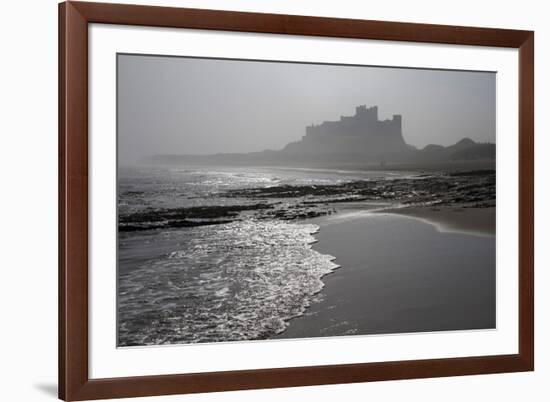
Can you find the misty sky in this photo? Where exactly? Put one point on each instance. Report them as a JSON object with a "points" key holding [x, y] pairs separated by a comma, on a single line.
{"points": [[173, 105]]}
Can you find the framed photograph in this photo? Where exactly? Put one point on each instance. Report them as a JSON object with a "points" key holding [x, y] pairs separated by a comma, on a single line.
{"points": [[260, 200]]}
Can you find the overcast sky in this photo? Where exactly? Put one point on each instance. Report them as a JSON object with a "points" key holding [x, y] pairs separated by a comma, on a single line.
{"points": [[173, 105]]}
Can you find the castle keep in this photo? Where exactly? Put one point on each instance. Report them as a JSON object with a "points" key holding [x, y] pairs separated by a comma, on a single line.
{"points": [[362, 133]]}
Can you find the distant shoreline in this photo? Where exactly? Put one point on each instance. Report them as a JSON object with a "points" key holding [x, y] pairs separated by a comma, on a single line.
{"points": [[311, 164]]}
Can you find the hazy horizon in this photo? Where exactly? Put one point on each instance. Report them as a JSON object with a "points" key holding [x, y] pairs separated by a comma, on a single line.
{"points": [[178, 105]]}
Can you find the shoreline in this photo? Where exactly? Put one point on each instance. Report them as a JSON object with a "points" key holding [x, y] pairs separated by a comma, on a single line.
{"points": [[400, 273], [462, 219]]}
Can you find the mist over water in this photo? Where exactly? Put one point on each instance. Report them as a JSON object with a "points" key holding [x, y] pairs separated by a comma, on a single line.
{"points": [[178, 105]]}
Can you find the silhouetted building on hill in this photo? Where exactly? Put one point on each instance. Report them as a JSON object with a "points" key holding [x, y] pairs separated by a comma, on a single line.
{"points": [[360, 134], [361, 139]]}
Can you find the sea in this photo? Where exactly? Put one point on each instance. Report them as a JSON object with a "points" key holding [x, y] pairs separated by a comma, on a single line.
{"points": [[242, 279]]}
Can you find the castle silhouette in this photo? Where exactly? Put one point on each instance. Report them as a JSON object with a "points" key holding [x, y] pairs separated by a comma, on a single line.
{"points": [[362, 133], [358, 139]]}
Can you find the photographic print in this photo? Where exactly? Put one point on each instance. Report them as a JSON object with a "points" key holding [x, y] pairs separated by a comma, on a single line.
{"points": [[269, 200]]}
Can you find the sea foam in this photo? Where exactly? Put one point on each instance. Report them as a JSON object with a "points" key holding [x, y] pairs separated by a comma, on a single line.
{"points": [[238, 281]]}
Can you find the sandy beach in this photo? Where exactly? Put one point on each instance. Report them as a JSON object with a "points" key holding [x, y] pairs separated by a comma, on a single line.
{"points": [[291, 253], [413, 270], [453, 218]]}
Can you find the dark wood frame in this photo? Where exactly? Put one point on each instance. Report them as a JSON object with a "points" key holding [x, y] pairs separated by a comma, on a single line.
{"points": [[74, 383]]}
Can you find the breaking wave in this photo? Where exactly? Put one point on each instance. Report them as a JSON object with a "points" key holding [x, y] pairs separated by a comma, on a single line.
{"points": [[238, 281]]}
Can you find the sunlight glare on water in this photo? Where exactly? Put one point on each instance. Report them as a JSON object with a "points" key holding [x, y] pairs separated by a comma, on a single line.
{"points": [[237, 281]]}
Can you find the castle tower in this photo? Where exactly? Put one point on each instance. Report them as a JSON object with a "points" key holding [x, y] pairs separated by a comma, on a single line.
{"points": [[373, 113], [397, 119]]}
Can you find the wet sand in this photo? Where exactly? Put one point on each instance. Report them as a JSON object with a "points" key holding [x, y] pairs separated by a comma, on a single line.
{"points": [[400, 274], [450, 218]]}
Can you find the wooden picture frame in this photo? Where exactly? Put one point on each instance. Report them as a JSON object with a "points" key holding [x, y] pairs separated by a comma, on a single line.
{"points": [[74, 381]]}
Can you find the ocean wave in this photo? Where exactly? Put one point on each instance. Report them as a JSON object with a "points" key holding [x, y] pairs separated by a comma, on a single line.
{"points": [[239, 281]]}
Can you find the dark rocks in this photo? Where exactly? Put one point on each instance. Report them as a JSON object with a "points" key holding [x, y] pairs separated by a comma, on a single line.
{"points": [[481, 172], [444, 189], [184, 217], [473, 189]]}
